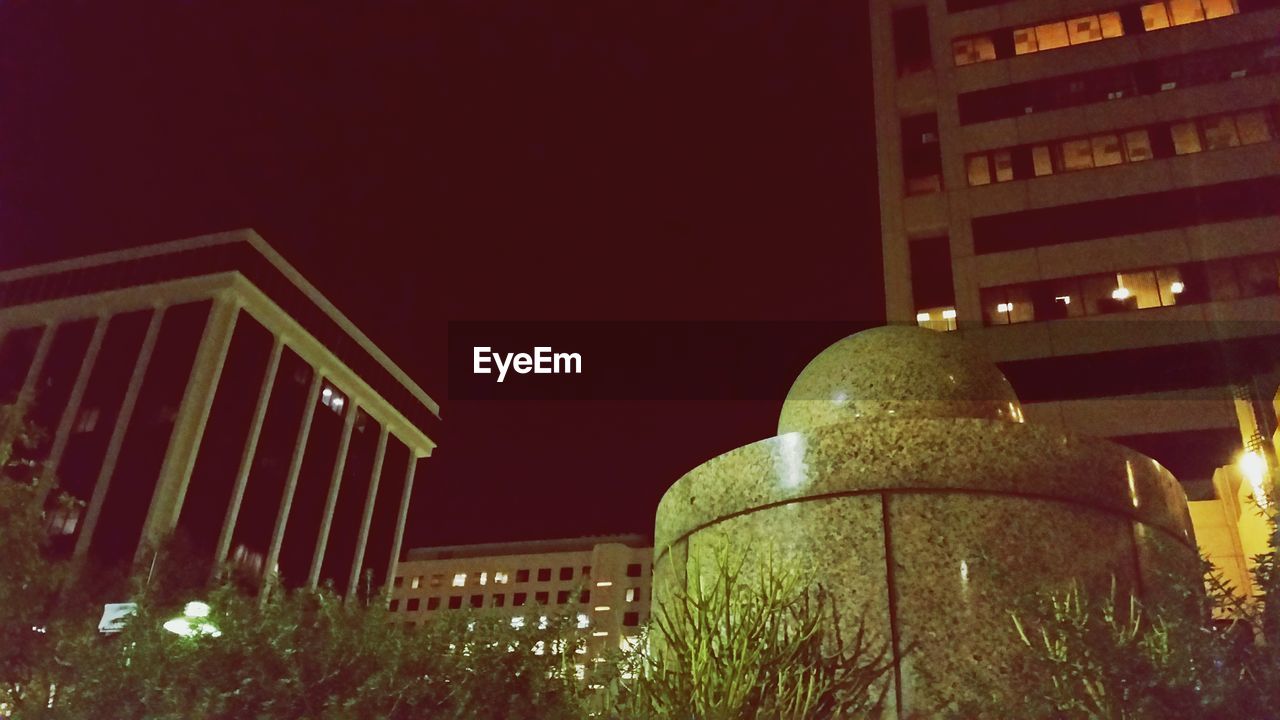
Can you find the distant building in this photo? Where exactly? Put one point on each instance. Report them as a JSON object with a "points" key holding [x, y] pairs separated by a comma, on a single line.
{"points": [[1090, 190], [202, 389], [604, 581]]}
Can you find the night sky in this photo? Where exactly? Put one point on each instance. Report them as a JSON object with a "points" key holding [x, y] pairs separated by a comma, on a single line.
{"points": [[537, 160]]}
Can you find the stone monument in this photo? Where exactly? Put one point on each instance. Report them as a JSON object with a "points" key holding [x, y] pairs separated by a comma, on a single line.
{"points": [[904, 480]]}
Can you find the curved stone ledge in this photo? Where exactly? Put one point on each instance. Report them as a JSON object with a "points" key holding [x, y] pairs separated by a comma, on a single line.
{"points": [[925, 455]]}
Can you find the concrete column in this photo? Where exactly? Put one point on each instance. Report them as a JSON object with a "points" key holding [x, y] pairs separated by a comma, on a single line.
{"points": [[72, 410], [331, 502], [188, 430], [37, 365], [357, 560], [112, 456], [290, 483], [247, 455], [402, 518]]}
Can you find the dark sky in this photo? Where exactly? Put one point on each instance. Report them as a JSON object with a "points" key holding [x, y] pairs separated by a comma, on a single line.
{"points": [[426, 162]]}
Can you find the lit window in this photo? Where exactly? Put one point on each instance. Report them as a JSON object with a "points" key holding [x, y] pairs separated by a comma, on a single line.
{"points": [[1137, 145], [417, 581], [1077, 155], [979, 170], [1003, 160], [584, 621], [500, 578], [540, 648], [1171, 285], [1183, 12], [605, 583], [1004, 307], [1042, 160], [1112, 26], [517, 622], [484, 578], [1084, 30], [1220, 132], [600, 633], [949, 314], [602, 608], [922, 317], [1154, 16], [973, 50], [580, 671], [1220, 8], [629, 643], [1052, 35], [1106, 150], [1186, 139], [1141, 286], [1254, 127], [543, 622], [633, 594], [460, 580]]}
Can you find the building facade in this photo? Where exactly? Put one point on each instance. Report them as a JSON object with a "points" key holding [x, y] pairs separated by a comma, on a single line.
{"points": [[1090, 190], [203, 392], [604, 581]]}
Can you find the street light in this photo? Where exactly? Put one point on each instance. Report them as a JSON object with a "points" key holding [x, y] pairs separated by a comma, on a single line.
{"points": [[193, 622]]}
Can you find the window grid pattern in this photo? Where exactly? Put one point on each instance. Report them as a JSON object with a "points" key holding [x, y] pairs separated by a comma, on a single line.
{"points": [[1128, 290], [1083, 29], [1213, 132]]}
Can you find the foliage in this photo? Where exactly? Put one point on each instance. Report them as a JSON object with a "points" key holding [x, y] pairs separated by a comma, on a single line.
{"points": [[1111, 658], [311, 655], [731, 647]]}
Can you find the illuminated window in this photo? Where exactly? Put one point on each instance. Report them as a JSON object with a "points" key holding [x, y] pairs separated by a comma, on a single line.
{"points": [[1220, 8], [1171, 285], [979, 170], [1111, 24], [484, 578], [1254, 127], [633, 594], [517, 622], [973, 50], [1137, 145], [1003, 161], [1084, 30], [1077, 154], [1220, 132], [1183, 12], [1186, 139], [1024, 41], [584, 621], [1042, 160], [417, 581], [1106, 150], [460, 580], [1142, 287], [500, 578], [1052, 35], [1155, 16], [940, 319]]}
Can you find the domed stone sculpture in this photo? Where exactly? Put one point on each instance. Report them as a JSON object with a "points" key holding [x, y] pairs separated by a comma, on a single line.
{"points": [[905, 482]]}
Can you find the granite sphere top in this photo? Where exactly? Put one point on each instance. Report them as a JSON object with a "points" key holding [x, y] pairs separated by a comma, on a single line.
{"points": [[898, 372]]}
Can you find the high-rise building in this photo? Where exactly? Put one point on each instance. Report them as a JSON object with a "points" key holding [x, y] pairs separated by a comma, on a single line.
{"points": [[202, 392], [1090, 190], [604, 581]]}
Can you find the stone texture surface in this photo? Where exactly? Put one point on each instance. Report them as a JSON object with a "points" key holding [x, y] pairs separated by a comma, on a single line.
{"points": [[930, 455], [897, 371], [910, 433], [960, 565]]}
